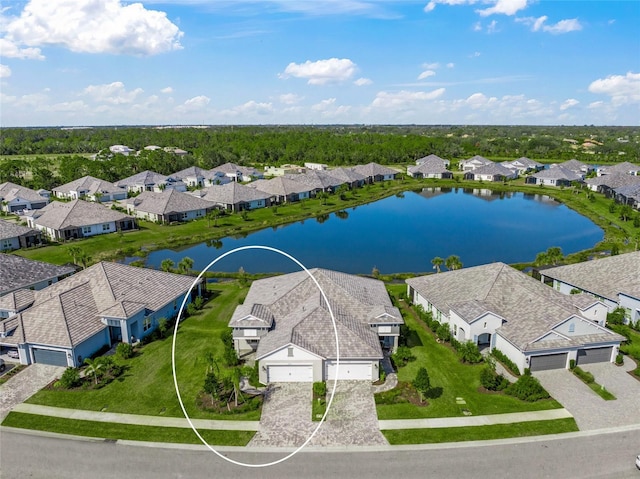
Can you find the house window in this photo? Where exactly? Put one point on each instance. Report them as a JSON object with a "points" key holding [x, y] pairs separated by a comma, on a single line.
{"points": [[485, 325], [184, 216], [199, 213], [86, 229], [106, 227], [146, 323], [572, 328], [290, 352]]}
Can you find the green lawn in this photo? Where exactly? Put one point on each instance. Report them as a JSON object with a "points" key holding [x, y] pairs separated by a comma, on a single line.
{"points": [[126, 431], [450, 379], [480, 433], [147, 385]]}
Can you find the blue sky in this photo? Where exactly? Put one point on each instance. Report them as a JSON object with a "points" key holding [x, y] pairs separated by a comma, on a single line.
{"points": [[107, 62]]}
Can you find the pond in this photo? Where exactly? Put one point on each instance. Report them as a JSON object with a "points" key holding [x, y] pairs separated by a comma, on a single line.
{"points": [[403, 233]]}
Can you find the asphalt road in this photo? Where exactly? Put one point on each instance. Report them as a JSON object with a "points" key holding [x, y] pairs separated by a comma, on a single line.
{"points": [[608, 455]]}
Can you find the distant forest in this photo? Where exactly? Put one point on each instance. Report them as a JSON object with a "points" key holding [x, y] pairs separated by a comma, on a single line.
{"points": [[276, 145]]}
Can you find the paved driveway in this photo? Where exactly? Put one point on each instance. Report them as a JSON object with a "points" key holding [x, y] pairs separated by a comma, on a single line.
{"points": [[286, 417], [25, 384], [590, 410]]}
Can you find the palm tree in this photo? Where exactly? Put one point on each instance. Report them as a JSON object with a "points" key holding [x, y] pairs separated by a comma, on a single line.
{"points": [[437, 263], [185, 265], [167, 265], [213, 215], [75, 252], [93, 366], [453, 262]]}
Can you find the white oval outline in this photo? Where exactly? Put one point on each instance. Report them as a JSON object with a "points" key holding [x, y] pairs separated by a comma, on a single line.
{"points": [[173, 355]]}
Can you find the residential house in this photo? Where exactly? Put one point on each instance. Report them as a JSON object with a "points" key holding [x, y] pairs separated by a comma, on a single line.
{"points": [[15, 198], [287, 321], [625, 168], [121, 150], [316, 166], [78, 219], [474, 163], [555, 175], [628, 195], [536, 327], [283, 190], [317, 181], [523, 165], [577, 167], [283, 170], [17, 273], [196, 177], [491, 172], [614, 280], [151, 181], [91, 188], [95, 308], [14, 236], [167, 206], [434, 160], [348, 177], [238, 173], [607, 183], [234, 197], [373, 172]]}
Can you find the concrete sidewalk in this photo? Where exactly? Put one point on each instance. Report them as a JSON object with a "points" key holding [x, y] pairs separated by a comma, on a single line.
{"points": [[508, 418], [135, 419], [231, 425]]}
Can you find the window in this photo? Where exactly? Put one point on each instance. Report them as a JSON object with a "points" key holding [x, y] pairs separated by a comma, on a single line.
{"points": [[146, 323], [106, 227], [290, 352], [184, 216], [485, 325], [86, 229], [572, 328]]}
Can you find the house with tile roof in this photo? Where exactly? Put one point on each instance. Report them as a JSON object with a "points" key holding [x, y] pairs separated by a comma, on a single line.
{"points": [[78, 219], [167, 206], [286, 320], [497, 306], [614, 280], [283, 190], [234, 197], [347, 176], [373, 172], [607, 183], [523, 165], [196, 177], [625, 168], [14, 236], [15, 198], [18, 273], [555, 175], [577, 167], [491, 172], [151, 181], [628, 195], [474, 163], [238, 173], [318, 181], [91, 188], [431, 166], [433, 159], [100, 306]]}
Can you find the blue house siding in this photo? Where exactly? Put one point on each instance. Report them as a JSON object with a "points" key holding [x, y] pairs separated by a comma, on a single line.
{"points": [[91, 346]]}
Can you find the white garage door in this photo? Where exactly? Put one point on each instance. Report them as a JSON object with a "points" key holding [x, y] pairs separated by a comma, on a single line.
{"points": [[289, 374], [349, 370]]}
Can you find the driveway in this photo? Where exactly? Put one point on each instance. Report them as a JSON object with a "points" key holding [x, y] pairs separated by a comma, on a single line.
{"points": [[590, 410], [351, 421], [25, 384]]}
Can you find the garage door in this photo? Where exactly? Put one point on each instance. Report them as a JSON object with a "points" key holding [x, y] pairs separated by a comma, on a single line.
{"points": [[350, 370], [594, 355], [548, 361], [49, 356], [288, 374]]}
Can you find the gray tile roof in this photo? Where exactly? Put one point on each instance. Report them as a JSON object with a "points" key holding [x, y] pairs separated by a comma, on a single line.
{"points": [[526, 162], [558, 173], [629, 191], [614, 179], [625, 167], [232, 168], [167, 201], [477, 159], [194, 172], [91, 184], [143, 178], [231, 194], [280, 186], [9, 229], [431, 166], [68, 312], [604, 277], [346, 175], [17, 300], [530, 308], [301, 316], [575, 166], [75, 214], [493, 169], [17, 272], [10, 191], [433, 159], [318, 180], [374, 169]]}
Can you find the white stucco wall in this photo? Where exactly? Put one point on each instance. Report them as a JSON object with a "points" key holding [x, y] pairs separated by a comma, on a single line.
{"points": [[511, 352], [632, 305]]}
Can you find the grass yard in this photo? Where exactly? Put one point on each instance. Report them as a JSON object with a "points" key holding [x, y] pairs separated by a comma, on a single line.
{"points": [[450, 380], [126, 431], [147, 385], [480, 433]]}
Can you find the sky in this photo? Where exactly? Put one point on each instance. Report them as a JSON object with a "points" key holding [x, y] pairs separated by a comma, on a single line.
{"points": [[266, 62]]}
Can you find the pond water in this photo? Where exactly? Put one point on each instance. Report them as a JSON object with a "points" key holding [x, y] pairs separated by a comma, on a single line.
{"points": [[403, 233]]}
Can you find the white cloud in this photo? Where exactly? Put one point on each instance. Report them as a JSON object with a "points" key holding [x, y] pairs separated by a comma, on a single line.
{"points": [[431, 66], [451, 65], [504, 7], [426, 74], [328, 108], [167, 90], [568, 103], [195, 103], [10, 49], [477, 27], [324, 104], [563, 26], [623, 89], [113, 93], [322, 71], [290, 98], [68, 107], [403, 98], [492, 27], [363, 82], [5, 71], [252, 106], [94, 26], [432, 3]]}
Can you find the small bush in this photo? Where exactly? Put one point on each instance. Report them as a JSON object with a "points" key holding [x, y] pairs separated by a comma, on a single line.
{"points": [[572, 364], [506, 362], [527, 388], [124, 350], [469, 352], [586, 376], [443, 333], [70, 379], [619, 359], [402, 356], [320, 389]]}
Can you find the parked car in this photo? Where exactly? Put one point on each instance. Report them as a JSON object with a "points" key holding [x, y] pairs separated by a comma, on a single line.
{"points": [[13, 353]]}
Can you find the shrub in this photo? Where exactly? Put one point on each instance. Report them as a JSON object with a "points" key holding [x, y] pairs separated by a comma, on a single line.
{"points": [[619, 359], [70, 379], [443, 333], [422, 383], [320, 389], [586, 376], [402, 356], [506, 362], [527, 388], [572, 364], [231, 357], [616, 316], [469, 352], [124, 350]]}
